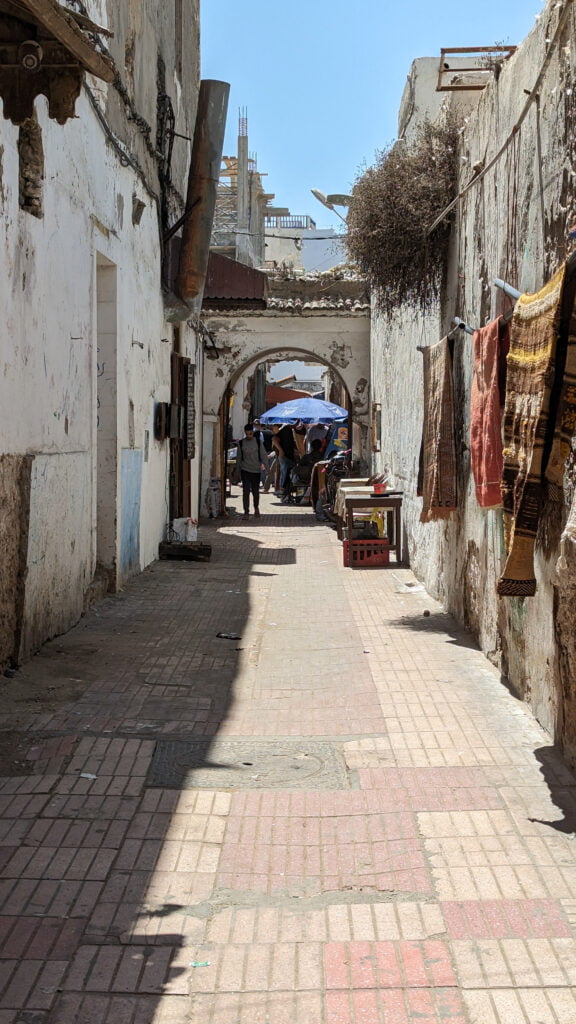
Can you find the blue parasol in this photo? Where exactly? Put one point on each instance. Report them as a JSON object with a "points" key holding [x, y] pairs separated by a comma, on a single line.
{"points": [[305, 410]]}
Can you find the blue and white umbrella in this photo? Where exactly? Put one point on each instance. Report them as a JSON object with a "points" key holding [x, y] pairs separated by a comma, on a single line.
{"points": [[305, 410]]}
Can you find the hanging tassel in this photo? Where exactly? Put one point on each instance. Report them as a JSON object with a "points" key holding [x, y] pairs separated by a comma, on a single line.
{"points": [[562, 564]]}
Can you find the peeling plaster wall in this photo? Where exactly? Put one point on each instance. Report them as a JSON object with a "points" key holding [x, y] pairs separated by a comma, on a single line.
{"points": [[514, 225], [49, 358], [144, 48]]}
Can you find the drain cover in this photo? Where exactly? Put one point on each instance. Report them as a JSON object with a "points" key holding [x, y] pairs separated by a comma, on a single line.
{"points": [[246, 764]]}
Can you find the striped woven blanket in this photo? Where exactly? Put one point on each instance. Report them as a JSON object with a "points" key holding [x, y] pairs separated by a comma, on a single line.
{"points": [[438, 451]]}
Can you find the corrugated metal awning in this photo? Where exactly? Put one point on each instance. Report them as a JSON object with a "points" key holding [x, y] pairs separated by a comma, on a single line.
{"points": [[231, 285]]}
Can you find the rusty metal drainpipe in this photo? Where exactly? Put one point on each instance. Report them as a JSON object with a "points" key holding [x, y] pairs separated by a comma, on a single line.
{"points": [[203, 179]]}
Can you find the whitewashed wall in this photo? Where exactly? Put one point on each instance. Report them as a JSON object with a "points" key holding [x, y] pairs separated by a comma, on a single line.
{"points": [[49, 348], [512, 225]]}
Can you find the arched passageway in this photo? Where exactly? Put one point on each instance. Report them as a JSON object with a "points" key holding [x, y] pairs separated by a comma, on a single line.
{"points": [[341, 341]]}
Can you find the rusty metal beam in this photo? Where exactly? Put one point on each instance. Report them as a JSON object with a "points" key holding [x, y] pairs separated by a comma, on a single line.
{"points": [[483, 52], [56, 20], [203, 179]]}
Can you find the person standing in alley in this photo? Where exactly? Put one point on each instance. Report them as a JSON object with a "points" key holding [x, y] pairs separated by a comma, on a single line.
{"points": [[252, 460], [266, 438], [284, 444]]}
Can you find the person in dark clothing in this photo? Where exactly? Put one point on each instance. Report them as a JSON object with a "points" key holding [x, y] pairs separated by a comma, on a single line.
{"points": [[302, 472], [266, 438], [265, 435], [284, 442], [251, 461]]}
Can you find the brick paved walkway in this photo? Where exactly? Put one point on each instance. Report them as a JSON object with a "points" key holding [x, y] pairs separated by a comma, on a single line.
{"points": [[368, 829]]}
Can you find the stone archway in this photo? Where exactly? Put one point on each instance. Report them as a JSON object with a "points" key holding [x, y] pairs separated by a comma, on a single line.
{"points": [[340, 340]]}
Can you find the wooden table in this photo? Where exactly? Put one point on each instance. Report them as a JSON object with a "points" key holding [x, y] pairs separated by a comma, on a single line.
{"points": [[352, 481], [345, 492], [390, 502], [339, 504]]}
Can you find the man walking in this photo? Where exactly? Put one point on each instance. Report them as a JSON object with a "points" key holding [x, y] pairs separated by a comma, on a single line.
{"points": [[251, 461], [266, 438]]}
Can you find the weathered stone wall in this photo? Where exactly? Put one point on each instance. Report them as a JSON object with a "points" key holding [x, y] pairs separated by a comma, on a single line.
{"points": [[513, 224]]}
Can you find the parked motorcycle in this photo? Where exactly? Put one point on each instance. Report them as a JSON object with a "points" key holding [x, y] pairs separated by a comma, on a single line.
{"points": [[330, 473]]}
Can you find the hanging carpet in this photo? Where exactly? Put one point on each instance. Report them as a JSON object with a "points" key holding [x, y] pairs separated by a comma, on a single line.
{"points": [[438, 482], [491, 345], [539, 418]]}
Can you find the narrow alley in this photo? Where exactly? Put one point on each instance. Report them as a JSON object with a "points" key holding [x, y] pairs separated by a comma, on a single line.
{"points": [[336, 815]]}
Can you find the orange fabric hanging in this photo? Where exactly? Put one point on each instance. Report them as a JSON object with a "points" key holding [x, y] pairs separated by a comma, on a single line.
{"points": [[491, 344]]}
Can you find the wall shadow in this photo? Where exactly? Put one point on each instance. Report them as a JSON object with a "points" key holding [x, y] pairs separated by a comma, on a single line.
{"points": [[436, 622], [561, 784], [144, 669]]}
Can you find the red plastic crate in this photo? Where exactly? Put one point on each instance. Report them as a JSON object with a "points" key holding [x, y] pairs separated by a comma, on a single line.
{"points": [[366, 554]]}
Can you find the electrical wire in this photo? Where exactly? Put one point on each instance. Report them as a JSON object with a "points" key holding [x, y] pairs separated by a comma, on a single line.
{"points": [[304, 238], [126, 158], [531, 98]]}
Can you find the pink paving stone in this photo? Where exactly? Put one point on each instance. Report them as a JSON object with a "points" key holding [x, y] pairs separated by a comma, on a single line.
{"points": [[442, 1006], [389, 974], [412, 960], [438, 965], [497, 918], [48, 985], [382, 965], [7, 969], [21, 984], [337, 965], [473, 919], [501, 919], [361, 959], [16, 935], [365, 1007], [338, 1008], [393, 1007]]}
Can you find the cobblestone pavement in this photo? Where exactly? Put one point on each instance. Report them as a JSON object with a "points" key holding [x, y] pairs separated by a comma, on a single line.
{"points": [[340, 817]]}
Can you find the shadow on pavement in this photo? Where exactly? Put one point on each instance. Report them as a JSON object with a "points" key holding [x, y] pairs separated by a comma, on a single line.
{"points": [[436, 622], [562, 786], [94, 865]]}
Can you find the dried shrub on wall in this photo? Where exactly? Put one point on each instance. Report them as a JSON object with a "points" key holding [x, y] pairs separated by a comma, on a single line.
{"points": [[393, 204]]}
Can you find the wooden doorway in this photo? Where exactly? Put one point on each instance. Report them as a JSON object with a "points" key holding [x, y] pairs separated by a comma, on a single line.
{"points": [[181, 427]]}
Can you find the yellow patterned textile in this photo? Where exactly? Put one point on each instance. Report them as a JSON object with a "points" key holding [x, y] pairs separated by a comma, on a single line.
{"points": [[539, 417]]}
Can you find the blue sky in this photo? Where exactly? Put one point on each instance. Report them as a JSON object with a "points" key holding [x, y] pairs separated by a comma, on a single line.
{"points": [[322, 79]]}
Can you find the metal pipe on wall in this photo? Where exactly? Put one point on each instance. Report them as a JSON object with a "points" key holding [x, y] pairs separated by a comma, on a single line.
{"points": [[203, 179]]}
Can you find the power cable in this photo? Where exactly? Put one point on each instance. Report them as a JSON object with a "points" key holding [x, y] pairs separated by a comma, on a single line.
{"points": [[531, 98]]}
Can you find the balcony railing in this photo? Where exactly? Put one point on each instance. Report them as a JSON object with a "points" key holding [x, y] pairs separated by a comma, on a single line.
{"points": [[290, 222]]}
